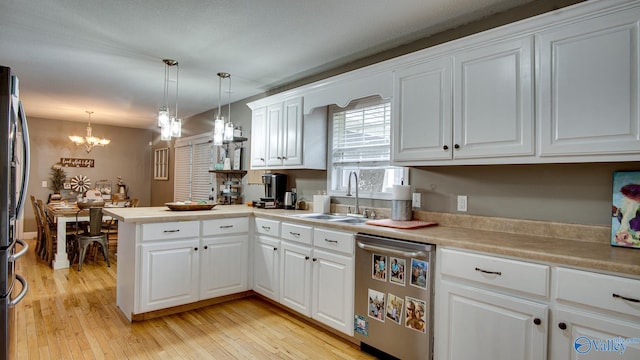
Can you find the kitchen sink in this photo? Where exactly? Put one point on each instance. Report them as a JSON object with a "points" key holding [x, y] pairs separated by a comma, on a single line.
{"points": [[342, 218]]}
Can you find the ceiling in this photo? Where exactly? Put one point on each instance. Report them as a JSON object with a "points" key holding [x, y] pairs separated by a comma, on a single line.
{"points": [[106, 56]]}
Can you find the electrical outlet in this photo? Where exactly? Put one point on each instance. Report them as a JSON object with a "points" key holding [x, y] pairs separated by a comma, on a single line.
{"points": [[44, 184], [416, 201], [462, 203]]}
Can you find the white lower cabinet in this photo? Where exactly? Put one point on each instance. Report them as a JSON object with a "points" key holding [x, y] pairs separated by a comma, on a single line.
{"points": [[169, 274], [317, 274], [481, 315], [224, 265], [266, 267], [595, 316], [481, 324]]}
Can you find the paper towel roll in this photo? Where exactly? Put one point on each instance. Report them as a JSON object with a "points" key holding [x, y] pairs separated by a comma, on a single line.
{"points": [[322, 204], [401, 192]]}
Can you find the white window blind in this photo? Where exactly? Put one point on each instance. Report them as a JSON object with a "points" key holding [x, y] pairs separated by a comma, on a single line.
{"points": [[361, 142], [193, 159], [362, 135]]}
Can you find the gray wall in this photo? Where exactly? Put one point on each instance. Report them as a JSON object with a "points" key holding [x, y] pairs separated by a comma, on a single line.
{"points": [[128, 155]]}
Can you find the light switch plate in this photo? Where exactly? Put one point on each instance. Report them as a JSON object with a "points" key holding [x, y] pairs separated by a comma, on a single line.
{"points": [[44, 184]]}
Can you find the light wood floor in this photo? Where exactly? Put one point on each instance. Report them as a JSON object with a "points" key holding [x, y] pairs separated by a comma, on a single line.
{"points": [[73, 315]]}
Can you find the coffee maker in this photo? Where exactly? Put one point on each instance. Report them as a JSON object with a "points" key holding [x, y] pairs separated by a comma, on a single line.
{"points": [[275, 186]]}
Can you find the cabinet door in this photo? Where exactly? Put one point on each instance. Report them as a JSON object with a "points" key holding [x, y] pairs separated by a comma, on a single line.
{"points": [[223, 265], [588, 86], [259, 138], [266, 277], [483, 325], [422, 112], [493, 100], [333, 286], [274, 134], [169, 275], [577, 334], [292, 133], [295, 284]]}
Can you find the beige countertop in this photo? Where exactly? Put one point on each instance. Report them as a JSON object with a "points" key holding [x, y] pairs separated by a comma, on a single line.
{"points": [[580, 246]]}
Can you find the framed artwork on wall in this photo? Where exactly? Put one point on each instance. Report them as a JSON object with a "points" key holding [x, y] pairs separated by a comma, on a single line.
{"points": [[237, 158], [625, 219]]}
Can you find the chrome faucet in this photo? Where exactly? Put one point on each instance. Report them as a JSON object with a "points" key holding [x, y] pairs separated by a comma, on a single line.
{"points": [[349, 190]]}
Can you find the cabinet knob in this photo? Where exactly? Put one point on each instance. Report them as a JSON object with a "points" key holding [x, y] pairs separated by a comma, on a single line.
{"points": [[306, 258], [195, 248], [445, 147], [537, 321], [562, 326], [275, 249], [206, 247], [315, 259], [456, 146]]}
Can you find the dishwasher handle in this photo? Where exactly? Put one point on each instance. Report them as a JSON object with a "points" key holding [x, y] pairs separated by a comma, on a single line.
{"points": [[392, 251]]}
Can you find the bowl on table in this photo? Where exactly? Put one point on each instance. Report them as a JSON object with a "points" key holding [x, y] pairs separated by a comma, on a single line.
{"points": [[86, 204]]}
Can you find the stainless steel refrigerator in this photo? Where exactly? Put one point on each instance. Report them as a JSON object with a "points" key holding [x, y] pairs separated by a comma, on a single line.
{"points": [[14, 156]]}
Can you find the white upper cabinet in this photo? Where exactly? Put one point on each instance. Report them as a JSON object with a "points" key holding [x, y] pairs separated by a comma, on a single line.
{"points": [[282, 137], [422, 123], [465, 105], [493, 100], [588, 86], [259, 138]]}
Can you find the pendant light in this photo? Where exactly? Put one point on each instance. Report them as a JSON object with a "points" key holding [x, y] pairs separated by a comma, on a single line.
{"points": [[89, 141], [222, 131], [170, 125]]}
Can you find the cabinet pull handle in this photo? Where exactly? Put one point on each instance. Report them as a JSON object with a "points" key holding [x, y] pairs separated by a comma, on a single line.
{"points": [[225, 226], [489, 272], [294, 233], [456, 146], [266, 227], [171, 231], [537, 321], [331, 241], [562, 326], [445, 147], [626, 298]]}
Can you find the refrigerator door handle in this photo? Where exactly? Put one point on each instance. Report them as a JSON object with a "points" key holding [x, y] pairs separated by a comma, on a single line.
{"points": [[25, 247], [27, 153], [392, 251], [25, 288]]}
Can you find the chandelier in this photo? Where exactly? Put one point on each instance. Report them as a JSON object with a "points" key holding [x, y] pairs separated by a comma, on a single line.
{"points": [[222, 131], [89, 141], [170, 125]]}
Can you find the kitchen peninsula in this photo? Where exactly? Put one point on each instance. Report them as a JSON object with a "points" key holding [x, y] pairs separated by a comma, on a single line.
{"points": [[531, 240]]}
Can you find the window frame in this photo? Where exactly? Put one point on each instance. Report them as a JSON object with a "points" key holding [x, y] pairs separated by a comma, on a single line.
{"points": [[337, 181]]}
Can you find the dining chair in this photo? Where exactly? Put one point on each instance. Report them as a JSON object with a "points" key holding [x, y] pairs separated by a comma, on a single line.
{"points": [[40, 239], [49, 231], [93, 233]]}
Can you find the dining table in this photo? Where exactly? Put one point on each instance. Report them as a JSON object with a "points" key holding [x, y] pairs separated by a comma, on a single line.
{"points": [[62, 214]]}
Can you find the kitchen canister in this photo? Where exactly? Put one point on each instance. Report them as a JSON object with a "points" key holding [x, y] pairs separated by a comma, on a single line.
{"points": [[321, 204], [401, 203]]}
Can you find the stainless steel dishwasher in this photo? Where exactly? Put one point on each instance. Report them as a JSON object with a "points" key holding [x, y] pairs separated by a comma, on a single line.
{"points": [[393, 297]]}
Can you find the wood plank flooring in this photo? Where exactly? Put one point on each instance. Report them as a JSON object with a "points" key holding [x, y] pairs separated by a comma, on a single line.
{"points": [[73, 315]]}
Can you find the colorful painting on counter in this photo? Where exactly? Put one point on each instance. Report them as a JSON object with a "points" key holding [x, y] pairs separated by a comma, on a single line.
{"points": [[625, 219]]}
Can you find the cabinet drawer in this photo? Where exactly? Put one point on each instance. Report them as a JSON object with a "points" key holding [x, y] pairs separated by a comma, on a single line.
{"points": [[297, 232], [268, 227], [602, 291], [505, 273], [170, 230], [334, 240], [225, 226]]}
